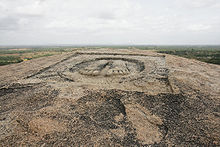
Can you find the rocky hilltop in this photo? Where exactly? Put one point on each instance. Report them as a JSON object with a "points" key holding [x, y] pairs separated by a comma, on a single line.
{"points": [[110, 97]]}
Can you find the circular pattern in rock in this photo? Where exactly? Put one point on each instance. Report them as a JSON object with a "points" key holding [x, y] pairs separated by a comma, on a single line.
{"points": [[109, 67]]}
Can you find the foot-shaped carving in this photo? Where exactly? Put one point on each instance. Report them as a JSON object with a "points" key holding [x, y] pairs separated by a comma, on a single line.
{"points": [[117, 67], [94, 68], [106, 68]]}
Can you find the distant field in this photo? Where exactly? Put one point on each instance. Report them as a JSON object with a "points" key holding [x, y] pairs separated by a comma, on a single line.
{"points": [[4, 60], [209, 54], [201, 55], [17, 55]]}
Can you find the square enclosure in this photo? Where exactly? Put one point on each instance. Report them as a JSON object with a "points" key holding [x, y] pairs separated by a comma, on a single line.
{"points": [[110, 70]]}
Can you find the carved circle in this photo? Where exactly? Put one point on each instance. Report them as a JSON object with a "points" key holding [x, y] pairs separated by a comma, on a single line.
{"points": [[108, 67]]}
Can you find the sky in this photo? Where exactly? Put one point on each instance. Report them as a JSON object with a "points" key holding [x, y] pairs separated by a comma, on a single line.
{"points": [[109, 22]]}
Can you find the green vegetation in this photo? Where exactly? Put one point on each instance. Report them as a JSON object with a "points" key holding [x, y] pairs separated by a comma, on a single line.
{"points": [[18, 54], [43, 55], [209, 56], [205, 53], [8, 51], [4, 60]]}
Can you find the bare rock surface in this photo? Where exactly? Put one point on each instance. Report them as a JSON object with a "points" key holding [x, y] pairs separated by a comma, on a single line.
{"points": [[110, 97]]}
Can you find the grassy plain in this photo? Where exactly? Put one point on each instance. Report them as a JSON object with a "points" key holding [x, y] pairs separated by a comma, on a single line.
{"points": [[209, 56], [205, 53], [17, 55]]}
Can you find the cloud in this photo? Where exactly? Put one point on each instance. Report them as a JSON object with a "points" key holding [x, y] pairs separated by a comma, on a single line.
{"points": [[8, 23], [107, 16], [198, 3], [18, 15], [110, 21], [199, 27]]}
